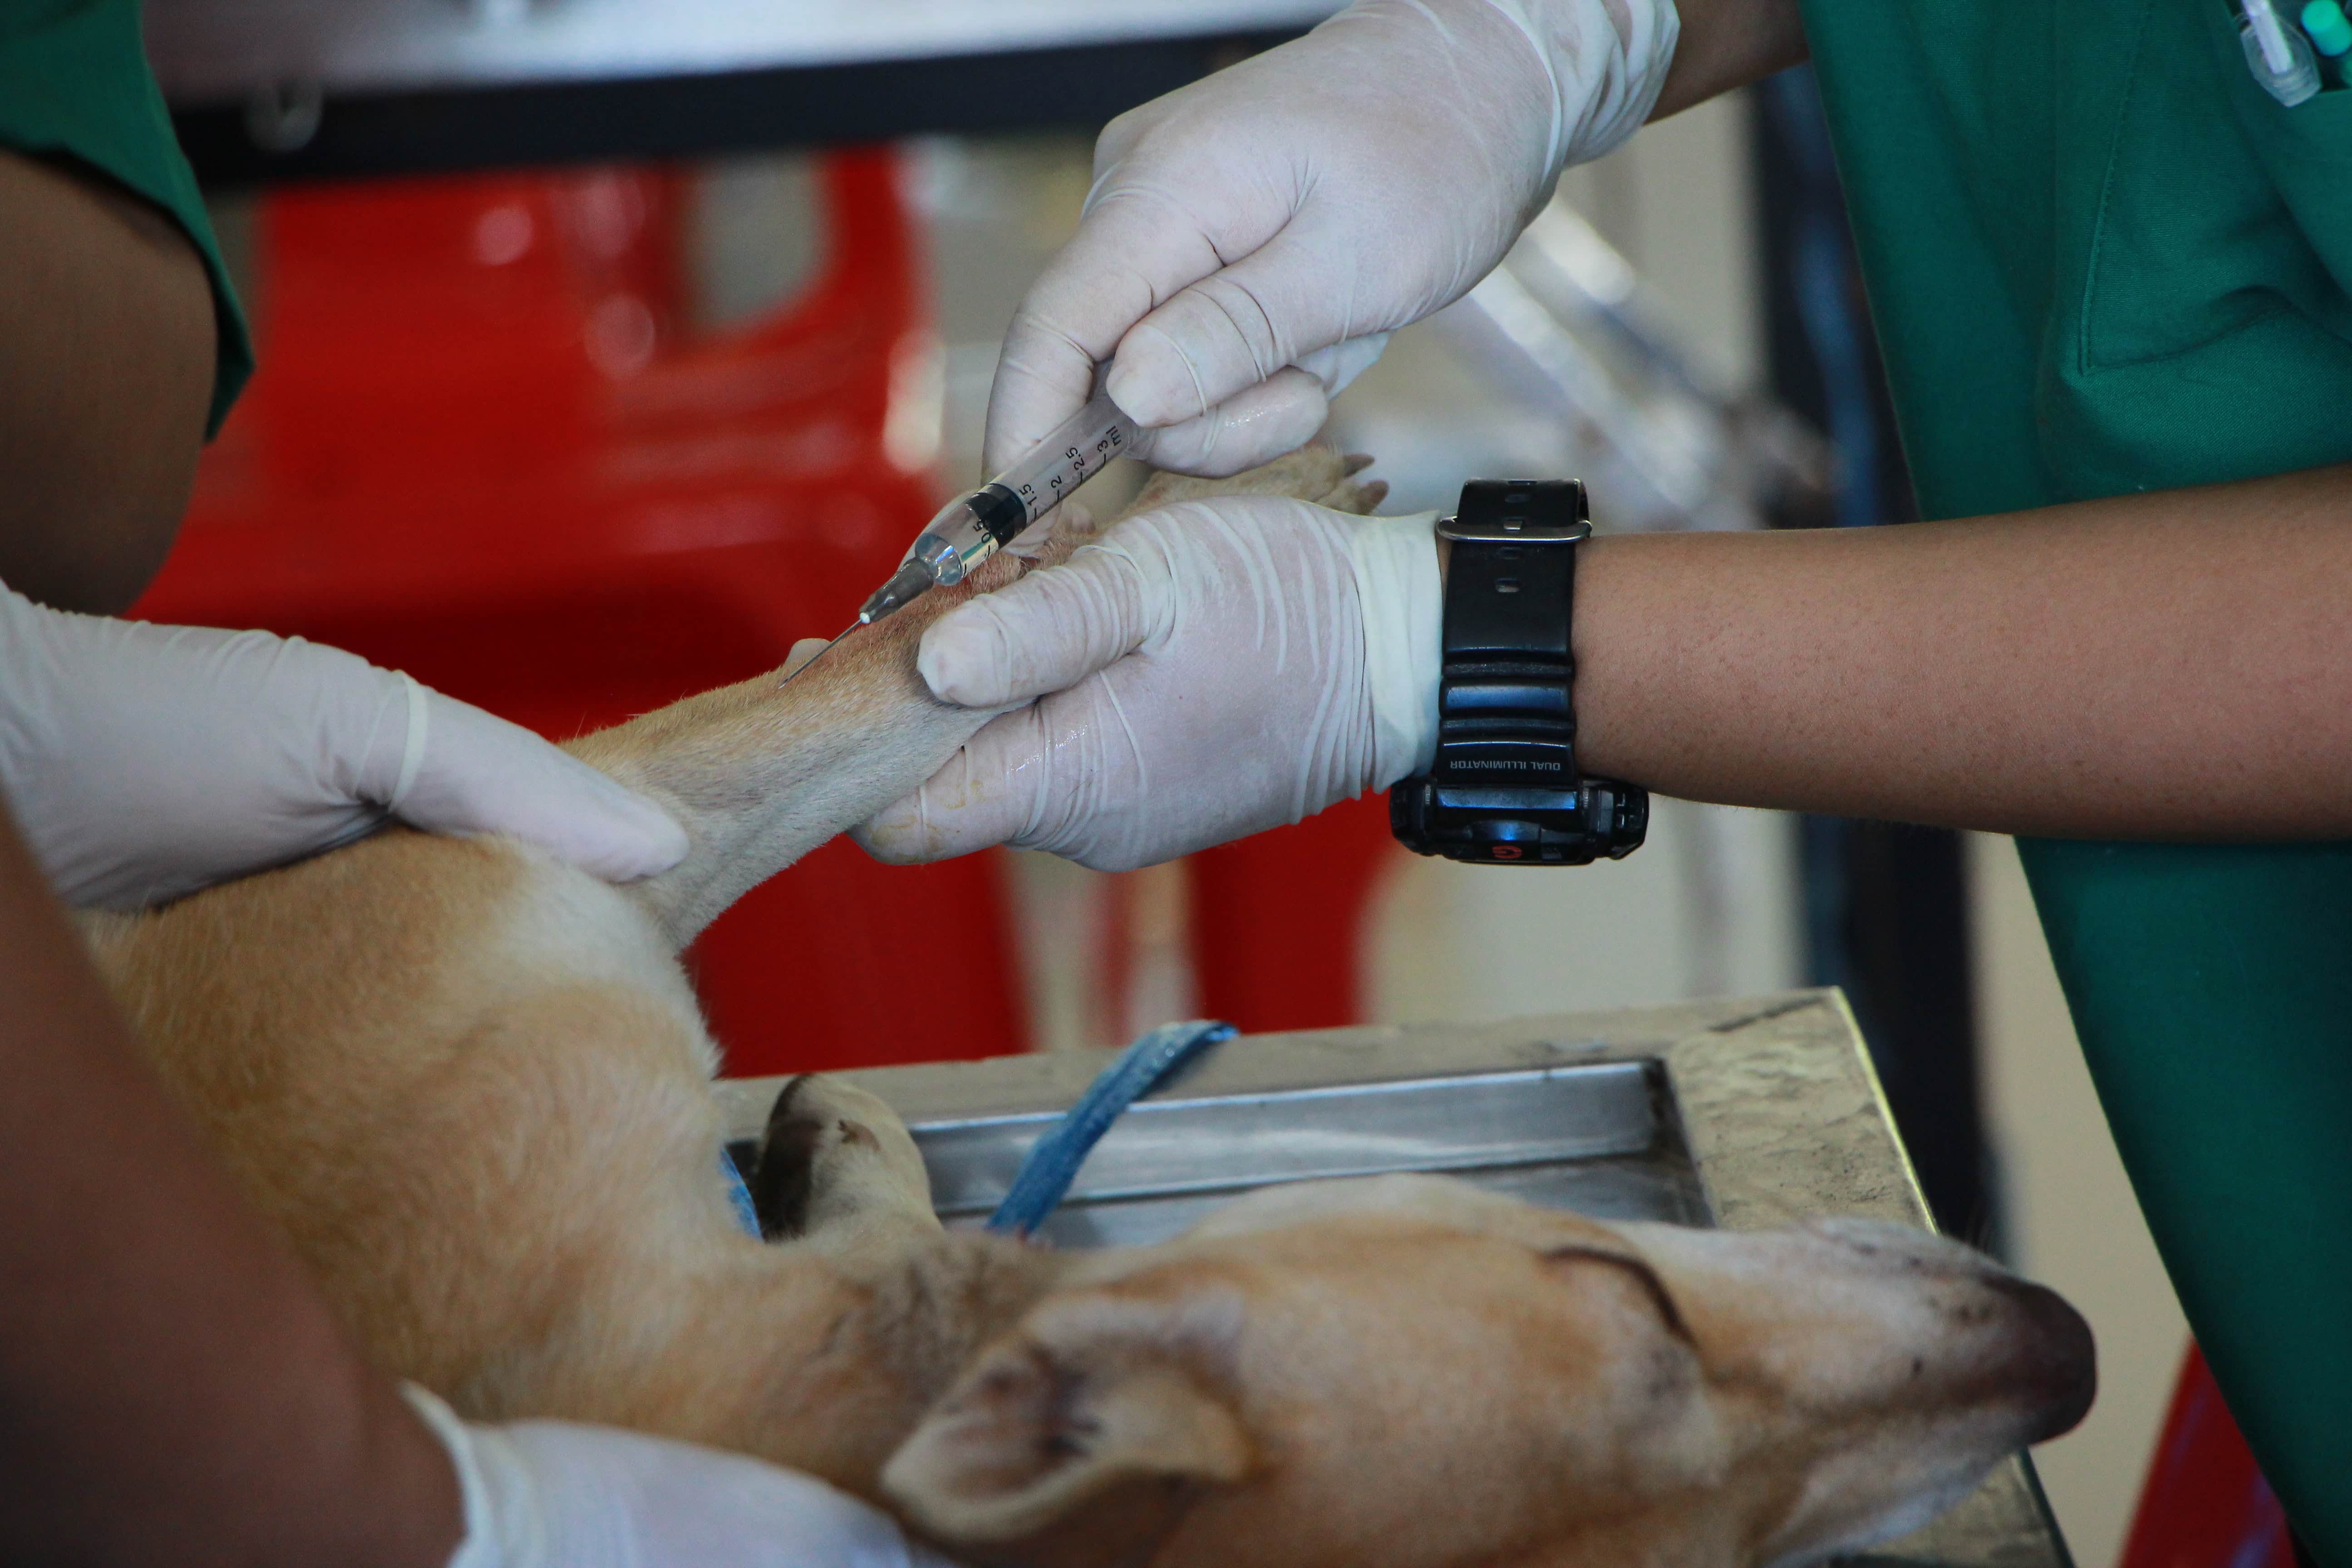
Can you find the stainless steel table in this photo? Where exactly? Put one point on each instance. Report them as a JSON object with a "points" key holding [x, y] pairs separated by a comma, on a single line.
{"points": [[1744, 1114]]}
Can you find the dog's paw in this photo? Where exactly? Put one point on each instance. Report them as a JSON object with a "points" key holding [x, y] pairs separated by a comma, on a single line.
{"points": [[1312, 473], [834, 1153], [1348, 493]]}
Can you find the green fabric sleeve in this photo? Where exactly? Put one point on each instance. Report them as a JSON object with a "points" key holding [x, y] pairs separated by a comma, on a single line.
{"points": [[74, 84]]}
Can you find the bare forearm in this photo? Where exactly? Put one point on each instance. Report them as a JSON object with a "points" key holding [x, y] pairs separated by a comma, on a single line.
{"points": [[2171, 665], [1727, 44], [172, 1387], [108, 320]]}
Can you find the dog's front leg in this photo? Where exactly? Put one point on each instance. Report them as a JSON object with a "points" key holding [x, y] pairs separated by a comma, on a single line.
{"points": [[761, 772]]}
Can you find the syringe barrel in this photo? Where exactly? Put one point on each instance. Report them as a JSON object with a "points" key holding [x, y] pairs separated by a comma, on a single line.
{"points": [[971, 528], [967, 530], [1079, 449]]}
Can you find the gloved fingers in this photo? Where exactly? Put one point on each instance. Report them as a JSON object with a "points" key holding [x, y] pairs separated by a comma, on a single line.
{"points": [[804, 650], [1207, 671], [315, 745], [560, 1494], [1052, 628], [1299, 293], [1254, 425], [479, 773], [1042, 379], [989, 792], [148, 760], [1119, 137], [629, 1501], [1132, 251]]}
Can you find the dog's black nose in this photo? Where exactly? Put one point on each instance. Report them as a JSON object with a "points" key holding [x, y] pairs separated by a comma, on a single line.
{"points": [[2056, 1355]]}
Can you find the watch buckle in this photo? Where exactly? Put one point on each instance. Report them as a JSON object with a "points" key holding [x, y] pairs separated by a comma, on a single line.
{"points": [[1514, 531]]}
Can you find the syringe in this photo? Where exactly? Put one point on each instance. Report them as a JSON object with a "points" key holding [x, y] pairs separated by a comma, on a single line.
{"points": [[971, 528]]}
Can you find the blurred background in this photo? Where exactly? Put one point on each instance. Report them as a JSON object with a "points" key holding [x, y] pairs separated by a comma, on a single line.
{"points": [[609, 348]]}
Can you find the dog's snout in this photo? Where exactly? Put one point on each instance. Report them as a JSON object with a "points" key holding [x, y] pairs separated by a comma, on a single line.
{"points": [[2041, 1355], [2056, 1358], [1885, 1246]]}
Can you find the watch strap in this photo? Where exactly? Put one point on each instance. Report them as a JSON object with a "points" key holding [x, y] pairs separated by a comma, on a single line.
{"points": [[1505, 719], [1504, 787]]}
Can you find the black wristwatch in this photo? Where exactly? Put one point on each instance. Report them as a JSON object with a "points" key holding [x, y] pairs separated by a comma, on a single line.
{"points": [[1503, 789]]}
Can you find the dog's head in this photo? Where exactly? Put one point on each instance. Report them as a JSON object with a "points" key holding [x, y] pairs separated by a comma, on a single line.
{"points": [[1407, 1372]]}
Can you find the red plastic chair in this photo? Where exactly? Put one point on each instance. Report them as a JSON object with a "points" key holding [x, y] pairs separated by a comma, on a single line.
{"points": [[1281, 922], [481, 449], [2206, 1504]]}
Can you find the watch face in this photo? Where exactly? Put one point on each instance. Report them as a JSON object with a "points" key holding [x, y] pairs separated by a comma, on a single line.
{"points": [[1597, 818]]}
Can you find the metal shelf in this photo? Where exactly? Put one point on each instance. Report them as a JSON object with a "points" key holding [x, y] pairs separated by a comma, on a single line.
{"points": [[216, 51], [270, 90]]}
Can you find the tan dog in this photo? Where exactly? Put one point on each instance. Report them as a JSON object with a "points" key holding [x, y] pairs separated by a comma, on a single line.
{"points": [[470, 1085]]}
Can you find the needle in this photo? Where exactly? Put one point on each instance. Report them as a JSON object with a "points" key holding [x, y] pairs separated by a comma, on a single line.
{"points": [[820, 653]]}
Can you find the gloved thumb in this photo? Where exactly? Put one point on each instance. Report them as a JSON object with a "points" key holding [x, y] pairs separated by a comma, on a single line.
{"points": [[473, 771], [1050, 630]]}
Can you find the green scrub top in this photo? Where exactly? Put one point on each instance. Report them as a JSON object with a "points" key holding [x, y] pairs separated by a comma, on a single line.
{"points": [[2102, 259], [74, 85]]}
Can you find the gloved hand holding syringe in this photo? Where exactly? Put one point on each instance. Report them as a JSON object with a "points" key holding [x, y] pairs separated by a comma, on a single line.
{"points": [[975, 526], [971, 528]]}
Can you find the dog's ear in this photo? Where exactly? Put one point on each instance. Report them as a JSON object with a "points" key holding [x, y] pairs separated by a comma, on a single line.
{"points": [[1094, 1392]]}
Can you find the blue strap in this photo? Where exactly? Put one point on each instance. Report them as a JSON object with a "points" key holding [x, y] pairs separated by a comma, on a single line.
{"points": [[747, 1213], [1053, 1161]]}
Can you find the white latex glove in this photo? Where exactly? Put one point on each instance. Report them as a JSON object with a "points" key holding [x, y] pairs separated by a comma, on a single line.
{"points": [[1252, 238], [1206, 671], [145, 762], [556, 1494]]}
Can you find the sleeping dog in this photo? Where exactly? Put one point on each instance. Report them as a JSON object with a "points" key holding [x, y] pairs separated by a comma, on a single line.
{"points": [[471, 1087]]}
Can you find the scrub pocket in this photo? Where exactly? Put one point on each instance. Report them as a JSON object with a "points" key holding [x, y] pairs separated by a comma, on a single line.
{"points": [[2213, 337], [2305, 155], [2197, 235]]}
